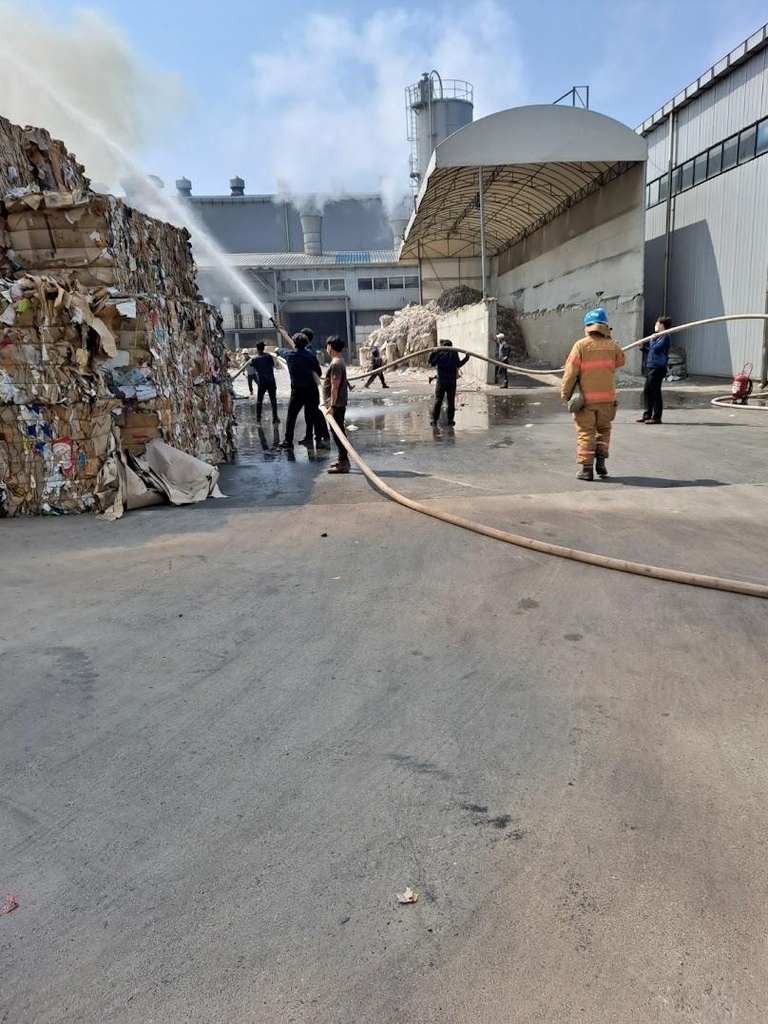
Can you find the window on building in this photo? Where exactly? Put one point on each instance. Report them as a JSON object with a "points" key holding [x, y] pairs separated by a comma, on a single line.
{"points": [[664, 188], [305, 286], [700, 169], [715, 162], [676, 180], [337, 284], [395, 282], [365, 284], [653, 193], [730, 152], [411, 282], [747, 144], [379, 284], [322, 285], [686, 179], [762, 137], [289, 286]]}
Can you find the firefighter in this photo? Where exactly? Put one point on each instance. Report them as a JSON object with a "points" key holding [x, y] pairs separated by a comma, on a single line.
{"points": [[592, 366]]}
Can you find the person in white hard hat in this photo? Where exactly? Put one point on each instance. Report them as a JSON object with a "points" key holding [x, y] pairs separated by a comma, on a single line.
{"points": [[502, 354]]}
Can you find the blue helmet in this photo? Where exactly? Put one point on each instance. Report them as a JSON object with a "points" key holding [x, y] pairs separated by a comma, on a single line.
{"points": [[596, 316]]}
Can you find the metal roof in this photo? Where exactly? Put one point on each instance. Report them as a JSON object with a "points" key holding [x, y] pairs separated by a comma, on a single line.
{"points": [[536, 162], [306, 261], [756, 42]]}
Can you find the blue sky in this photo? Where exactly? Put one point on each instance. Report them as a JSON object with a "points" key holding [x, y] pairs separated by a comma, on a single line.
{"points": [[300, 96]]}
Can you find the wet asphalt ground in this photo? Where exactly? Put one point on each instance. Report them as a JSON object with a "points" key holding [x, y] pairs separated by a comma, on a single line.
{"points": [[230, 734]]}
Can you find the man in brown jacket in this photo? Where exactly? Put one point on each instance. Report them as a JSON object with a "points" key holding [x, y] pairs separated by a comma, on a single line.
{"points": [[592, 366]]}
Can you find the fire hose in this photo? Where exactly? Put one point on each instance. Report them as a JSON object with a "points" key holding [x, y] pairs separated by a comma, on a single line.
{"points": [[574, 554], [531, 372]]}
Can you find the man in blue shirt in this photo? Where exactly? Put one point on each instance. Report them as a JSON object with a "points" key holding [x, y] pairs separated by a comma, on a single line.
{"points": [[447, 363], [656, 354], [304, 371]]}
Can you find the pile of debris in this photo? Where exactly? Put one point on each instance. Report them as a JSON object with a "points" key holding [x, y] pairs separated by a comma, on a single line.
{"points": [[414, 327], [507, 322], [411, 328], [677, 368], [31, 160], [105, 344]]}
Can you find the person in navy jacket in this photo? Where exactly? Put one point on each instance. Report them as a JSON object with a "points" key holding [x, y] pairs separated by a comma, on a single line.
{"points": [[656, 359]]}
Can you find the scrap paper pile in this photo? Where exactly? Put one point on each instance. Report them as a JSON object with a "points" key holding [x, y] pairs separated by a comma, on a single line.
{"points": [[105, 344], [31, 160]]}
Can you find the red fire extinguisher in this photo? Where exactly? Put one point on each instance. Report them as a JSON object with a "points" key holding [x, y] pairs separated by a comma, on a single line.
{"points": [[741, 388]]}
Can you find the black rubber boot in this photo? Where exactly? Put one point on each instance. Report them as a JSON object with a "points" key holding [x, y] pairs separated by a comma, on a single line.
{"points": [[585, 473], [600, 467]]}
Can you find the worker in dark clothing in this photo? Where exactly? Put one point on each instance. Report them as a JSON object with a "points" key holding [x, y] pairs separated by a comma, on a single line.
{"points": [[318, 424], [655, 362], [447, 363], [262, 366], [304, 371], [375, 363], [251, 375], [503, 352]]}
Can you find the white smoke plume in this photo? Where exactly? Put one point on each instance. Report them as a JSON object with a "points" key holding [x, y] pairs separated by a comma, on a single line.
{"points": [[327, 108], [93, 68]]}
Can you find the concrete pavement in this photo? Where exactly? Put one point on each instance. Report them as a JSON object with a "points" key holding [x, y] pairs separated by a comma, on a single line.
{"points": [[227, 740]]}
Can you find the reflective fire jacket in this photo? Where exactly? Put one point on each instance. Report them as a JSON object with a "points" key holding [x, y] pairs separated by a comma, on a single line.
{"points": [[593, 363]]}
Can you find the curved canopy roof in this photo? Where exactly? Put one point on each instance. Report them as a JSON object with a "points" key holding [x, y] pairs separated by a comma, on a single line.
{"points": [[536, 162]]}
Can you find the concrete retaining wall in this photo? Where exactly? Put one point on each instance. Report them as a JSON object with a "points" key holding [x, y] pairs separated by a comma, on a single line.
{"points": [[472, 327], [592, 255]]}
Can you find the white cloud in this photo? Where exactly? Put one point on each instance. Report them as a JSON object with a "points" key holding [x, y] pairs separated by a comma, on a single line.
{"points": [[91, 67], [327, 109]]}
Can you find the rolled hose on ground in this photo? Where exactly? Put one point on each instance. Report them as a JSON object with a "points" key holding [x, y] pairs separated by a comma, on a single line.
{"points": [[574, 554], [725, 402]]}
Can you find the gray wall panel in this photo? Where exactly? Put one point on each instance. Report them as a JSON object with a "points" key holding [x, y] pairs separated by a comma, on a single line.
{"points": [[257, 224], [719, 241], [719, 264], [736, 101]]}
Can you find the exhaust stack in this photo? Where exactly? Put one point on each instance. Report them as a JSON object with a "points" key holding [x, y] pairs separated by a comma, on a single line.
{"points": [[311, 225]]}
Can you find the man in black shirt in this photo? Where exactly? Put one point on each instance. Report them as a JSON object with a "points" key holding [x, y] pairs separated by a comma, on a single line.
{"points": [[318, 425], [303, 369], [262, 367], [447, 363], [375, 363]]}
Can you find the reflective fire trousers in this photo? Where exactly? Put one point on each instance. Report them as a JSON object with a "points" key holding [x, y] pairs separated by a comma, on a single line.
{"points": [[593, 431]]}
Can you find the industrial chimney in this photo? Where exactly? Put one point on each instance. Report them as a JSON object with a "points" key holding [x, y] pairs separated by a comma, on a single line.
{"points": [[184, 187], [236, 186], [398, 225], [311, 225]]}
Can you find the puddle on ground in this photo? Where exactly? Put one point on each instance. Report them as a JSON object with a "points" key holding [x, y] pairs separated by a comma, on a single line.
{"points": [[389, 423]]}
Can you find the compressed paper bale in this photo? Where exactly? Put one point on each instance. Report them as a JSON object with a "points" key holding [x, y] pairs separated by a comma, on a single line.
{"points": [[30, 158], [88, 245]]}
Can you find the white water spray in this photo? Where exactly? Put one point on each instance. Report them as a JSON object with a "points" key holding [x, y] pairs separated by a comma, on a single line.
{"points": [[172, 208]]}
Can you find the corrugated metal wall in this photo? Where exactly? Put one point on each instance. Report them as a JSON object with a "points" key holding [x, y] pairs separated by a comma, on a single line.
{"points": [[731, 104], [718, 260]]}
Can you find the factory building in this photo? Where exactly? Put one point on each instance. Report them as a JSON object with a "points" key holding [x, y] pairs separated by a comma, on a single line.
{"points": [[332, 266], [576, 210], [706, 200], [331, 263]]}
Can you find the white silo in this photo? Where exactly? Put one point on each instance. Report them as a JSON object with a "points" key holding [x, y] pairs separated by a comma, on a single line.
{"points": [[436, 108]]}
